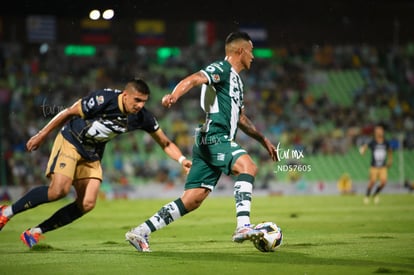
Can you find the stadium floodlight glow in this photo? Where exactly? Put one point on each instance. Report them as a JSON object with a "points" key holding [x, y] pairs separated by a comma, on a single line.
{"points": [[94, 14], [108, 14], [44, 48]]}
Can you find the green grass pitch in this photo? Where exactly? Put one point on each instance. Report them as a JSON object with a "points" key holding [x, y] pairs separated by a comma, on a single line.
{"points": [[322, 235]]}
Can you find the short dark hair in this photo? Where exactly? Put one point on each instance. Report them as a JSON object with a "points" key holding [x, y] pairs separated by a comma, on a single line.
{"points": [[381, 125], [237, 35], [140, 85]]}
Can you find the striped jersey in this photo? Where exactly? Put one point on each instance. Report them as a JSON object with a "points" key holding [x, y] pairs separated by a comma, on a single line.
{"points": [[222, 100]]}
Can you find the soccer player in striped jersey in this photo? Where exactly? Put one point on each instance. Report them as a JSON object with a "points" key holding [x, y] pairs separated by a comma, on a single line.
{"points": [[215, 150]]}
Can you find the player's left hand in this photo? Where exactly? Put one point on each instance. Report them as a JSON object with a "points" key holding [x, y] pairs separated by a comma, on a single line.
{"points": [[271, 149], [186, 165]]}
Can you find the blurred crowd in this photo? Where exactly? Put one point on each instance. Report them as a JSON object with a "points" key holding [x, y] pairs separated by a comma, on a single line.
{"points": [[35, 86]]}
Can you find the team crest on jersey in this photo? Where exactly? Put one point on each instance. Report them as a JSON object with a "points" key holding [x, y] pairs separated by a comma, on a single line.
{"points": [[100, 99], [62, 165], [215, 78]]}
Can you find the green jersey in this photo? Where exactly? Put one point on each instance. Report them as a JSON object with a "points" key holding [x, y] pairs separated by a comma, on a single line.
{"points": [[222, 100]]}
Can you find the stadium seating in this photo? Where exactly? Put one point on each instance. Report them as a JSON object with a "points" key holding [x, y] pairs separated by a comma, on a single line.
{"points": [[279, 99]]}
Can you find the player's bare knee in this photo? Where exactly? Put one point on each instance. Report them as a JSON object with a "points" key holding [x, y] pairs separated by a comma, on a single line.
{"points": [[57, 193], [59, 187], [253, 170], [88, 205], [193, 205], [250, 169], [245, 166]]}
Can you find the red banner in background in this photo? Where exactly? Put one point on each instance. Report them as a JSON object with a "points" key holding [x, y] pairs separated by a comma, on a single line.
{"points": [[96, 31]]}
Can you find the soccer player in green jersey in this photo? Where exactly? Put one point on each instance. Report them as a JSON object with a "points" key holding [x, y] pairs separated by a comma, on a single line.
{"points": [[215, 150]]}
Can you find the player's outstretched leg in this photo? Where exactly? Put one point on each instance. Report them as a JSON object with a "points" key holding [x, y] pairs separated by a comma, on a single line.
{"points": [[377, 192], [60, 218], [138, 237], [31, 199], [243, 188], [31, 237], [3, 216]]}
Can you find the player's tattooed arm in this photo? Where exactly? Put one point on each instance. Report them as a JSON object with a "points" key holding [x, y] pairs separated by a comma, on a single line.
{"points": [[247, 126]]}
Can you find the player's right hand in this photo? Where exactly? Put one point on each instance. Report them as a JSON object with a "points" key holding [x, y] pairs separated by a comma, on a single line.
{"points": [[187, 165], [168, 100], [34, 142]]}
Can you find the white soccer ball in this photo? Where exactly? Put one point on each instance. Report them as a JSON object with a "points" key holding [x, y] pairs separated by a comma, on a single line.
{"points": [[271, 239]]}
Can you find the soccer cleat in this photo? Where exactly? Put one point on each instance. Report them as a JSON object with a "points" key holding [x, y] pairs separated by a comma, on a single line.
{"points": [[139, 241], [247, 233], [30, 239], [366, 200], [376, 199], [3, 219]]}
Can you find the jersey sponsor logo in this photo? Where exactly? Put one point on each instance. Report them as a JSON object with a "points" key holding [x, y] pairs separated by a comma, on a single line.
{"points": [[104, 130], [380, 154], [100, 99]]}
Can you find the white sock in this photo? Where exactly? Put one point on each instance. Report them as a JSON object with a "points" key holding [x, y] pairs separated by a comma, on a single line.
{"points": [[8, 212], [243, 188], [243, 221], [167, 214], [142, 229], [36, 230]]}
